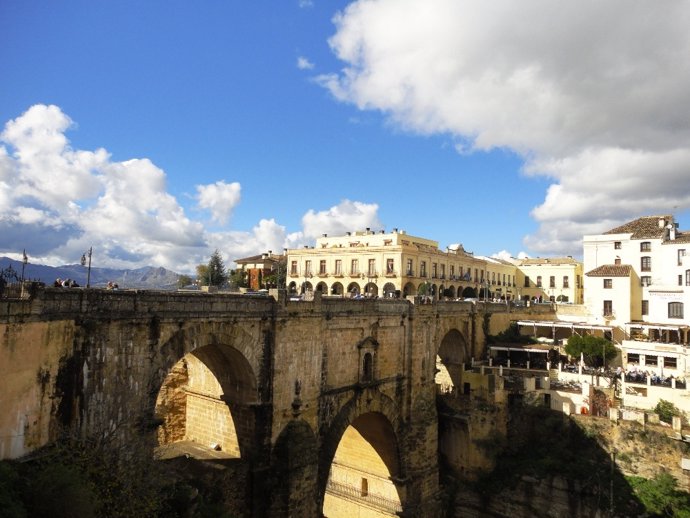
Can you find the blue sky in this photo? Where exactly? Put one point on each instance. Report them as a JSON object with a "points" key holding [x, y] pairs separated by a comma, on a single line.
{"points": [[158, 131]]}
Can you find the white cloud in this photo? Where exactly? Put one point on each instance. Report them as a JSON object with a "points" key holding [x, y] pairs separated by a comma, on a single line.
{"points": [[346, 216], [304, 64], [304, 4], [220, 198], [56, 202], [593, 95]]}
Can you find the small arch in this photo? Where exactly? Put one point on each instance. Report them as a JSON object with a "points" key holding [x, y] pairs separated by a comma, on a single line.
{"points": [[353, 288], [469, 293], [389, 290], [292, 287], [409, 289], [307, 286], [321, 287], [337, 289], [371, 290]]}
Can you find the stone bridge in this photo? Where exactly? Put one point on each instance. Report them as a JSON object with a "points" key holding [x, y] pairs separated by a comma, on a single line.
{"points": [[325, 402]]}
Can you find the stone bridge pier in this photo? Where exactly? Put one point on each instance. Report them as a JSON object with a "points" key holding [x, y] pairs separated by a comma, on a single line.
{"points": [[323, 407]]}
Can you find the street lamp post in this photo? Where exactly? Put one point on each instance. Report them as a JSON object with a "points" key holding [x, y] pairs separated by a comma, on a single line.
{"points": [[25, 260], [84, 263]]}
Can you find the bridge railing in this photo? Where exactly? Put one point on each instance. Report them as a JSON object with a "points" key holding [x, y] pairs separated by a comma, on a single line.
{"points": [[355, 493], [17, 290]]}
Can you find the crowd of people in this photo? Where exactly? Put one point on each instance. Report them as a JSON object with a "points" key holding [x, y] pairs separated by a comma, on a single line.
{"points": [[65, 283]]}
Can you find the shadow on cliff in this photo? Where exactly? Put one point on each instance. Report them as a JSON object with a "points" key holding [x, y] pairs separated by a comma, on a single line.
{"points": [[548, 466]]}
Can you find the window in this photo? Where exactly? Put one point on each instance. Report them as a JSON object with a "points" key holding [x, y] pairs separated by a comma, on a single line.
{"points": [[526, 281], [368, 368], [608, 284], [354, 267], [422, 269], [307, 268], [645, 246], [608, 308], [322, 267], [365, 487], [338, 267], [646, 263], [681, 254], [476, 274], [645, 307], [670, 363], [434, 270], [371, 271], [680, 280], [390, 266], [634, 358], [552, 281], [617, 260], [410, 271], [687, 277], [675, 310], [293, 268], [617, 245], [452, 270], [579, 281], [443, 271], [646, 280], [538, 281], [566, 283]]}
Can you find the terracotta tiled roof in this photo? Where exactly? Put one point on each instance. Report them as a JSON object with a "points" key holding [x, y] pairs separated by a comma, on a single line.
{"points": [[259, 259], [681, 237], [610, 270], [643, 228]]}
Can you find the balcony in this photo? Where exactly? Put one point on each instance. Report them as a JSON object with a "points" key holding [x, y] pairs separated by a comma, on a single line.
{"points": [[391, 273]]}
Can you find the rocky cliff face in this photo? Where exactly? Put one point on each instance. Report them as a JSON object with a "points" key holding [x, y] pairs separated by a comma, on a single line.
{"points": [[556, 466]]}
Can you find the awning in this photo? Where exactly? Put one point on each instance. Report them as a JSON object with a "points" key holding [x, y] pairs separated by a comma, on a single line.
{"points": [[658, 327], [563, 325], [518, 349]]}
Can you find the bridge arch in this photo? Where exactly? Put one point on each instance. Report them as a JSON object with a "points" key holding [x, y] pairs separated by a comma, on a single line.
{"points": [[368, 425], [453, 351], [206, 390]]}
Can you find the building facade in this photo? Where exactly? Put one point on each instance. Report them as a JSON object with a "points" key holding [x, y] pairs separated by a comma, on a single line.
{"points": [[396, 264], [637, 280], [555, 279], [260, 269]]}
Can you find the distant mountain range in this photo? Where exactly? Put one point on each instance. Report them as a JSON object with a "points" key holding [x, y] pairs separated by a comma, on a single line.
{"points": [[147, 277]]}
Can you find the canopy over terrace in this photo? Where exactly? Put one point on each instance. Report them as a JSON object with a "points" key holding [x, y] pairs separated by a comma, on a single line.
{"points": [[667, 333], [519, 355], [566, 328]]}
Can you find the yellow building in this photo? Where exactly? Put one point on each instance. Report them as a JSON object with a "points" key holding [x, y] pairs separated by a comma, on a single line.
{"points": [[395, 264], [554, 279]]}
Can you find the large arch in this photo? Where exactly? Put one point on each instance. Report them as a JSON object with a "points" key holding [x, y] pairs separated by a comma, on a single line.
{"points": [[452, 353], [369, 424], [206, 403]]}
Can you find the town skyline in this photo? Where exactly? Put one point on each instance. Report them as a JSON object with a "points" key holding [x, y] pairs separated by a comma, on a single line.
{"points": [[155, 134]]}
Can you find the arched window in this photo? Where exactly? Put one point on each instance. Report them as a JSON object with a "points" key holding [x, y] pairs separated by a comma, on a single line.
{"points": [[675, 310], [368, 368]]}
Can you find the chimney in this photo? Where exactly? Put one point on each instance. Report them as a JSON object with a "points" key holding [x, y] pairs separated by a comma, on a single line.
{"points": [[395, 230], [348, 233], [662, 222], [368, 229]]}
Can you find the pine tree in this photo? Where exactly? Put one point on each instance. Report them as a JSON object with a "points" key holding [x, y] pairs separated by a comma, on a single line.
{"points": [[217, 275]]}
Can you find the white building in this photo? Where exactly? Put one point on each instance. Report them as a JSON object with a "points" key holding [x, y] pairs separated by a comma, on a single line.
{"points": [[637, 280]]}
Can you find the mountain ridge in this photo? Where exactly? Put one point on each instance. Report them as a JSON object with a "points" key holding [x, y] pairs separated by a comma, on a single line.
{"points": [[147, 277]]}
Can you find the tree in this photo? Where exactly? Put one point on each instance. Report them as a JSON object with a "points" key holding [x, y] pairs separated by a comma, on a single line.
{"points": [[278, 276], [202, 274], [238, 278], [591, 348], [216, 274], [184, 280]]}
